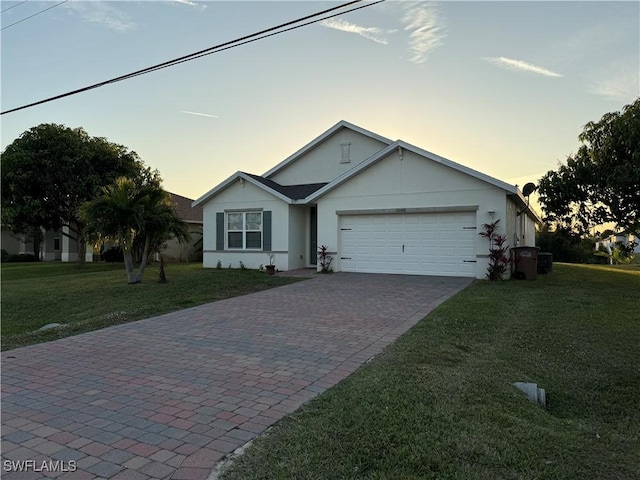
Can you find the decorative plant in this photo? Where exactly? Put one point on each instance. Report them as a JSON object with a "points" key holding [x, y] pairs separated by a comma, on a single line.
{"points": [[324, 259], [271, 268], [272, 258], [498, 259]]}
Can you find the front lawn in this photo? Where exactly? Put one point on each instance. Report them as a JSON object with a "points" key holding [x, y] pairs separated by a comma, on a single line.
{"points": [[439, 402], [96, 295]]}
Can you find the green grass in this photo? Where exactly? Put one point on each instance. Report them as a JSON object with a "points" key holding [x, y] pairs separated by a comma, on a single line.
{"points": [[439, 402], [97, 295]]}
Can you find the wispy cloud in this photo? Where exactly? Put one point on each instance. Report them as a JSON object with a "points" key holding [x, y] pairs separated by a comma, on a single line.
{"points": [[372, 33], [618, 82], [426, 27], [199, 114], [519, 65], [199, 6], [103, 13]]}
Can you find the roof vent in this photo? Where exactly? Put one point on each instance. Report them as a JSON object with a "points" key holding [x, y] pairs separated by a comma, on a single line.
{"points": [[346, 158]]}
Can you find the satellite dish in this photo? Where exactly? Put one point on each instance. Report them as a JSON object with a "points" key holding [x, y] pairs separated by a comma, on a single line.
{"points": [[528, 189]]}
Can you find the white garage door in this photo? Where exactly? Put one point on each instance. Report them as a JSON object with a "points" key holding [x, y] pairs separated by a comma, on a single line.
{"points": [[410, 243]]}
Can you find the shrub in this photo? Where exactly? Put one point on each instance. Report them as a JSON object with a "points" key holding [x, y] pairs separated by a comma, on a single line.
{"points": [[5, 255], [324, 259], [219, 265], [566, 246], [113, 255], [22, 257], [498, 260]]}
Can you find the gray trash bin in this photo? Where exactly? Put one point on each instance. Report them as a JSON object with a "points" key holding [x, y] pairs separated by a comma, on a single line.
{"points": [[545, 262]]}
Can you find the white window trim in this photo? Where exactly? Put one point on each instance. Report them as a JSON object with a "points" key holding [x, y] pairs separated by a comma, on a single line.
{"points": [[243, 231]]}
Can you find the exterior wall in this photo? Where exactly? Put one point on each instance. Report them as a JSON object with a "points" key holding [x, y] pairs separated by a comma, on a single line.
{"points": [[12, 243], [183, 252], [323, 163], [49, 252], [511, 231], [70, 249], [239, 196], [521, 230], [298, 236], [610, 242], [410, 182]]}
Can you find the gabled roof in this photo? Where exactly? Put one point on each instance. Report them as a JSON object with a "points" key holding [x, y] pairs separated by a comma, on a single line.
{"points": [[395, 146], [399, 145], [310, 193], [318, 140], [287, 193], [184, 210], [294, 192]]}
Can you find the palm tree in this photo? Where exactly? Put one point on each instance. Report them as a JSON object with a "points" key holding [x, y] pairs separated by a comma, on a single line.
{"points": [[128, 212]]}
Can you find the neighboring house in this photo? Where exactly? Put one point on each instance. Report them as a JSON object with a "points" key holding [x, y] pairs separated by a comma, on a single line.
{"points": [[378, 205], [15, 244], [192, 216], [58, 246], [611, 241]]}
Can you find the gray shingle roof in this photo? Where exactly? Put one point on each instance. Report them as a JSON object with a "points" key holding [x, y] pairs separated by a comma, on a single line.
{"points": [[294, 192]]}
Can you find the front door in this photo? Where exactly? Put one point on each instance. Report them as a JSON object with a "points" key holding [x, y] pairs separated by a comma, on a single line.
{"points": [[313, 236]]}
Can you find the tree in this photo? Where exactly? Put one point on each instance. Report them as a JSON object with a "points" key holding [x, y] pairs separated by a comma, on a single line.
{"points": [[127, 212], [50, 170], [601, 183]]}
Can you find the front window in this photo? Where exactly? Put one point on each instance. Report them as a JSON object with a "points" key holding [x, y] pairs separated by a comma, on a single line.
{"points": [[244, 230]]}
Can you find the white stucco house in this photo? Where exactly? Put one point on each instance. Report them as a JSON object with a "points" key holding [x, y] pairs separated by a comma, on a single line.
{"points": [[611, 242], [379, 205]]}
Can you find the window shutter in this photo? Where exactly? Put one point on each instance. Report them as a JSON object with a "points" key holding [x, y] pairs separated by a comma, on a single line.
{"points": [[266, 231], [220, 231]]}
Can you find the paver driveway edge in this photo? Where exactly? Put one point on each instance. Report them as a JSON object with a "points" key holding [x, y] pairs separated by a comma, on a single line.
{"points": [[171, 396]]}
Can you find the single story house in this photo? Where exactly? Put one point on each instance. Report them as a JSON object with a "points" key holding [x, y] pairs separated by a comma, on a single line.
{"points": [[610, 243], [192, 216], [58, 245], [379, 206]]}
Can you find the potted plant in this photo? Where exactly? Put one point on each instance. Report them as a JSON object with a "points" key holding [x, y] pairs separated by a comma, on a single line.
{"points": [[271, 268]]}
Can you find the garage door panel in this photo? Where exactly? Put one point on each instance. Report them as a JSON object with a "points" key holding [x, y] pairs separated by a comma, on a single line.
{"points": [[419, 244]]}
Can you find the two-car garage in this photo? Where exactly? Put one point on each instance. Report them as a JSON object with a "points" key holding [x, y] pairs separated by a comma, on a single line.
{"points": [[409, 242]]}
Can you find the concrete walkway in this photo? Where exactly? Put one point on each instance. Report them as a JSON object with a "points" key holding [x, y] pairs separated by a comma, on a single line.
{"points": [[168, 397]]}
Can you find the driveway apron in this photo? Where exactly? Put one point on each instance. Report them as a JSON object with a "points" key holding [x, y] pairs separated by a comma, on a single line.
{"points": [[170, 396]]}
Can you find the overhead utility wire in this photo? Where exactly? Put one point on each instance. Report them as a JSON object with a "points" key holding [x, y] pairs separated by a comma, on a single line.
{"points": [[31, 16], [153, 69], [192, 56], [13, 6]]}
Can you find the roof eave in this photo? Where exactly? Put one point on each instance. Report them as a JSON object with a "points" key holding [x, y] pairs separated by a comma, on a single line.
{"points": [[351, 173], [229, 181], [525, 204]]}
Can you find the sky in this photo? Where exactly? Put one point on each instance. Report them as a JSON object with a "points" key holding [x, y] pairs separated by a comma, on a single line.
{"points": [[501, 87]]}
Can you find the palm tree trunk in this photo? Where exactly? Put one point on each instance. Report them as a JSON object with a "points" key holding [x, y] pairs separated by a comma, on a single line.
{"points": [[143, 262], [82, 251], [128, 264]]}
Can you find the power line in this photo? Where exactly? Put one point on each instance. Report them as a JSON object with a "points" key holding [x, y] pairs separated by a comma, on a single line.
{"points": [[208, 51], [13, 6], [31, 16], [177, 62]]}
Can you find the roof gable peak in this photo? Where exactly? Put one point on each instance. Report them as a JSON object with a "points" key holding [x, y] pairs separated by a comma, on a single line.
{"points": [[321, 138]]}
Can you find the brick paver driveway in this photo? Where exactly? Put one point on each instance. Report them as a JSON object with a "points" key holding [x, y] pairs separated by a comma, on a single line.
{"points": [[168, 397]]}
